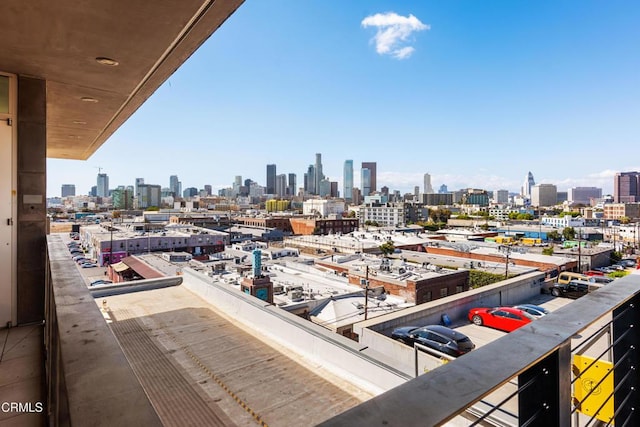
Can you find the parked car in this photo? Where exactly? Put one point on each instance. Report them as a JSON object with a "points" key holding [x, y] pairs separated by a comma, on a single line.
{"points": [[88, 265], [567, 276], [101, 282], [602, 280], [437, 337], [574, 289], [628, 262], [594, 273], [534, 310], [607, 270], [504, 318]]}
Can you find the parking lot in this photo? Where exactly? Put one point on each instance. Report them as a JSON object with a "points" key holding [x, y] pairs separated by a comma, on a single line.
{"points": [[88, 274]]}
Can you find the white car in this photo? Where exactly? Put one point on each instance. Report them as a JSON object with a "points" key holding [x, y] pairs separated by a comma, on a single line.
{"points": [[534, 310]]}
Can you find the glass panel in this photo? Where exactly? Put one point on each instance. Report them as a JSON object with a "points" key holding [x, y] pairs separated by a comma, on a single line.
{"points": [[4, 94]]}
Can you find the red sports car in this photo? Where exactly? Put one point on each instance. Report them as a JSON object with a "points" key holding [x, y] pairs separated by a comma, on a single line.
{"points": [[504, 318]]}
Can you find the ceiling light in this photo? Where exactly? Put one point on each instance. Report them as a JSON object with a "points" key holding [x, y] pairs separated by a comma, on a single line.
{"points": [[88, 99], [107, 61]]}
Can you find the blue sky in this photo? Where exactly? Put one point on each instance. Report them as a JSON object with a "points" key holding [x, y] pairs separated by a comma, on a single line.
{"points": [[476, 93]]}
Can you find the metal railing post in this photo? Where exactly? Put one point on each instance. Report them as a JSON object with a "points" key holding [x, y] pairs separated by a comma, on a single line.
{"points": [[545, 394], [626, 338]]}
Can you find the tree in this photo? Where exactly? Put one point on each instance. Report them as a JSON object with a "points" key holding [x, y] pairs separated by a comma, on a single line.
{"points": [[524, 216], [439, 215], [569, 233], [624, 220], [553, 235], [548, 250], [387, 248], [615, 256]]}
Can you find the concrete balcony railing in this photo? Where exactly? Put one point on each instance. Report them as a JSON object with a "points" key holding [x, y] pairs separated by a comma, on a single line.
{"points": [[531, 377], [89, 380]]}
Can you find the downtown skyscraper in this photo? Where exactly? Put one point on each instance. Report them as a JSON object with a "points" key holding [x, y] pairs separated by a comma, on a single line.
{"points": [[372, 181], [527, 186], [271, 179], [428, 188], [319, 176], [175, 186], [102, 185], [347, 183], [365, 181], [626, 187]]}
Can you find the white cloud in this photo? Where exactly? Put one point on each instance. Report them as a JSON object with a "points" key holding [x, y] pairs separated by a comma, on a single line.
{"points": [[393, 33]]}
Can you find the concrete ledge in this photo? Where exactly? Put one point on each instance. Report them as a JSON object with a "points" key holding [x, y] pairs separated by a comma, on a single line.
{"points": [[352, 361], [100, 386]]}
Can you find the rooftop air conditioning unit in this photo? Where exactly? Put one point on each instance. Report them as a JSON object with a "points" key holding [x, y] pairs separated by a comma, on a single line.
{"points": [[295, 295]]}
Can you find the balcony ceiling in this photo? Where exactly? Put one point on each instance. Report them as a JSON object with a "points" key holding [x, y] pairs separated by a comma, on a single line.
{"points": [[60, 41]]}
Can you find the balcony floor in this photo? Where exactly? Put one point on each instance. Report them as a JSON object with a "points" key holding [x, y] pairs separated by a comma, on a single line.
{"points": [[22, 376], [201, 368]]}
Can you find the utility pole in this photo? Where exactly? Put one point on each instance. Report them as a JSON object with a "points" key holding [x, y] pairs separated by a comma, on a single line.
{"points": [[111, 244], [579, 253], [506, 249], [366, 293]]}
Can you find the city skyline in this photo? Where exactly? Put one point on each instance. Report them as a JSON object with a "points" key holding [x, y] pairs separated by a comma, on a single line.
{"points": [[475, 95]]}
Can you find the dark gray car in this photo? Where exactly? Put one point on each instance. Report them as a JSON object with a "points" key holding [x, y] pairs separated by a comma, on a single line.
{"points": [[437, 337]]}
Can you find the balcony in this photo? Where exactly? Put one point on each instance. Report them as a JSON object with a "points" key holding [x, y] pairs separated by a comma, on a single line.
{"points": [[524, 378]]}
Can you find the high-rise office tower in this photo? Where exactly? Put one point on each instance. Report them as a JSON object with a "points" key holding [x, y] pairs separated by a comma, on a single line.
{"points": [[443, 189], [626, 187], [310, 182], [583, 195], [149, 195], [189, 192], [357, 196], [291, 187], [544, 195], [174, 185], [347, 183], [139, 181], [103, 185], [428, 189], [528, 184], [281, 185], [208, 189], [68, 190], [365, 181], [319, 176], [372, 166], [334, 189], [271, 179], [501, 196]]}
